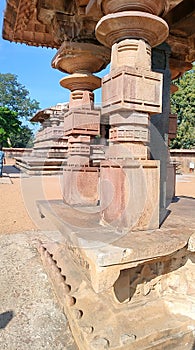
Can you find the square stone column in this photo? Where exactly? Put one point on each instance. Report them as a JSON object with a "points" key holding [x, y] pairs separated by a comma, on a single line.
{"points": [[159, 129], [131, 93]]}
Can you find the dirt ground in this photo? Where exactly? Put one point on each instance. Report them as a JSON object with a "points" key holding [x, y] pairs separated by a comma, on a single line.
{"points": [[18, 209], [185, 185], [18, 196]]}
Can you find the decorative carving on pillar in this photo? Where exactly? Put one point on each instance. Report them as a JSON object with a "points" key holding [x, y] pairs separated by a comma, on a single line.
{"points": [[131, 92], [82, 121], [158, 8]]}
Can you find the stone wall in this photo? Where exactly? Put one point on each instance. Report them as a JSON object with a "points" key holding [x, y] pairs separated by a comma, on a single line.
{"points": [[183, 157], [17, 152]]}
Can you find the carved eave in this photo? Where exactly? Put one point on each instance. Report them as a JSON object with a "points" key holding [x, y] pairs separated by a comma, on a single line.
{"points": [[41, 116], [181, 21], [44, 114], [49, 23]]}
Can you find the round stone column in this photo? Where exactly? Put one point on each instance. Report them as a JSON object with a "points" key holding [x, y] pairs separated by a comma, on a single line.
{"points": [[82, 121]]}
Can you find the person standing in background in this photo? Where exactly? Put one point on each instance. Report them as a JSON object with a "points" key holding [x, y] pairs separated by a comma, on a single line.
{"points": [[191, 167], [2, 160]]}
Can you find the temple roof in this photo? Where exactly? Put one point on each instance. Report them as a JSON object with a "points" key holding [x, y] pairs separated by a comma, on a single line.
{"points": [[44, 114], [49, 23]]}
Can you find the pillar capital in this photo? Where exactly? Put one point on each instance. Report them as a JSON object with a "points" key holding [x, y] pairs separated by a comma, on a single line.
{"points": [[115, 27], [75, 57], [158, 8]]}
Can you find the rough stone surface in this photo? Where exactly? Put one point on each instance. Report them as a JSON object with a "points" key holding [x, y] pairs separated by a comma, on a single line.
{"points": [[30, 317]]}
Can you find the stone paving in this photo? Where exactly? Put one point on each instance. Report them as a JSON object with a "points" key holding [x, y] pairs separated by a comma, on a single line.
{"points": [[30, 316]]}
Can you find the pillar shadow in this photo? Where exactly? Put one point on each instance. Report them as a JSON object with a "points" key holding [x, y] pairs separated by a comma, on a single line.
{"points": [[5, 318], [11, 169]]}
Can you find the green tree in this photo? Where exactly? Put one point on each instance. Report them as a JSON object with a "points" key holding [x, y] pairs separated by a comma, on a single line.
{"points": [[9, 124], [15, 96], [183, 104], [22, 138], [12, 132]]}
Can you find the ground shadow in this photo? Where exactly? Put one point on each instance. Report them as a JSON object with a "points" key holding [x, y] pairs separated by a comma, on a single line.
{"points": [[5, 318], [175, 199], [187, 197], [11, 169], [193, 347]]}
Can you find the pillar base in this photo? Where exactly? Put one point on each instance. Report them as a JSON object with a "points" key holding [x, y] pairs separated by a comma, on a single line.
{"points": [[80, 186], [139, 276], [130, 194]]}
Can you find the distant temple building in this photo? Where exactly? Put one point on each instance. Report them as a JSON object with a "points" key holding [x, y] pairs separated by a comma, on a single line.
{"points": [[50, 146]]}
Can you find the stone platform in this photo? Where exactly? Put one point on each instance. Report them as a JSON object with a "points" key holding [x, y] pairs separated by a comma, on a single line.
{"points": [[104, 277], [40, 166]]}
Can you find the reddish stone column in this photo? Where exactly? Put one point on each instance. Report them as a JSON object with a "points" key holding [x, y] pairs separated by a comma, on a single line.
{"points": [[131, 92], [81, 122]]}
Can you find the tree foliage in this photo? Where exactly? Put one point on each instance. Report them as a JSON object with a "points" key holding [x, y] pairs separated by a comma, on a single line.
{"points": [[9, 123], [15, 96], [15, 106], [22, 138], [12, 132], [183, 104]]}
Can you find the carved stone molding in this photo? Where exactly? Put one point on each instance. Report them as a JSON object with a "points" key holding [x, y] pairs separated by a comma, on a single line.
{"points": [[78, 57], [154, 7], [115, 27]]}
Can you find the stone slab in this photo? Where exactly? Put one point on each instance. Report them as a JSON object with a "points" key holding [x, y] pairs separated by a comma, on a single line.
{"points": [[103, 251], [152, 326]]}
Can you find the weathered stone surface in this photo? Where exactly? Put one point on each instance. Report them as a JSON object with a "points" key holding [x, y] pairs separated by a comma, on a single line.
{"points": [[30, 316], [102, 251], [130, 194], [126, 88], [50, 145], [148, 289], [82, 122], [138, 57], [80, 185], [191, 243], [55, 23], [172, 126], [75, 57], [139, 25], [110, 6]]}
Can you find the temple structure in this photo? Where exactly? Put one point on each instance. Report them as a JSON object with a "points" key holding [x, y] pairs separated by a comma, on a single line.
{"points": [[121, 257], [50, 145]]}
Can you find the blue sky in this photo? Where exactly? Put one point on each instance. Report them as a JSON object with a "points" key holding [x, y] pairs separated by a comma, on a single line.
{"points": [[32, 65]]}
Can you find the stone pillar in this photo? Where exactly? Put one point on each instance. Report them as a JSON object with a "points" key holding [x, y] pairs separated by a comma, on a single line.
{"points": [[160, 124], [81, 122], [131, 92], [177, 68]]}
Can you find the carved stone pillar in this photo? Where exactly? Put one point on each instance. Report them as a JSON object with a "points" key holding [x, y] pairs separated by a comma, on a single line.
{"points": [[81, 122], [131, 92]]}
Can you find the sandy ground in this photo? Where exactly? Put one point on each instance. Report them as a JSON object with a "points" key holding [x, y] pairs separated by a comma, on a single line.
{"points": [[185, 185], [18, 196], [18, 208]]}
